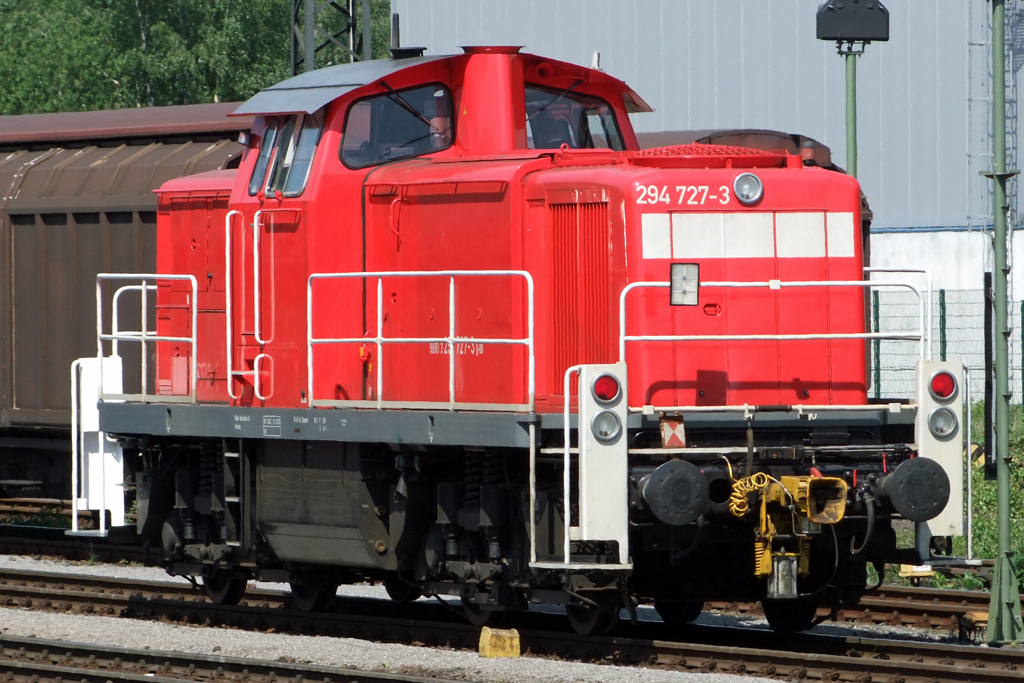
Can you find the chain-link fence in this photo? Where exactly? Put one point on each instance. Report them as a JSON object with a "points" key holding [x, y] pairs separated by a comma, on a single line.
{"points": [[958, 333]]}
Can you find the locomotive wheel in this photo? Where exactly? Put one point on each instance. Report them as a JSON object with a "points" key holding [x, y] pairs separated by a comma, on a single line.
{"points": [[789, 616], [480, 617], [224, 588], [677, 613], [400, 591], [592, 620], [313, 596]]}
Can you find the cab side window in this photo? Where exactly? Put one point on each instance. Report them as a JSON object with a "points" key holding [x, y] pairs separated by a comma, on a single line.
{"points": [[397, 125], [286, 155], [259, 172], [556, 117]]}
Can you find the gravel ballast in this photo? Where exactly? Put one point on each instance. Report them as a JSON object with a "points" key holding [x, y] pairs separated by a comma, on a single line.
{"points": [[347, 652], [326, 651]]}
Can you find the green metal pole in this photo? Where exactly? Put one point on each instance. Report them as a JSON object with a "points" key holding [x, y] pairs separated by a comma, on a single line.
{"points": [[1004, 620], [851, 114], [942, 325]]}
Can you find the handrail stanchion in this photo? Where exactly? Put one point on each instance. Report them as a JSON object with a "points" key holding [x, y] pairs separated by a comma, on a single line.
{"points": [[309, 340], [76, 449], [194, 370], [533, 493], [566, 459], [532, 381], [145, 365], [99, 329], [451, 344], [380, 343]]}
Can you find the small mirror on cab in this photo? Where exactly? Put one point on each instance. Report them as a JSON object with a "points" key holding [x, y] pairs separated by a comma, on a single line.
{"points": [[684, 284]]}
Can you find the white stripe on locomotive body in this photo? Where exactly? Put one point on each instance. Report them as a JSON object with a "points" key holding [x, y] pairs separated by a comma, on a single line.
{"points": [[697, 235], [800, 234], [808, 234], [840, 235], [748, 235], [655, 235]]}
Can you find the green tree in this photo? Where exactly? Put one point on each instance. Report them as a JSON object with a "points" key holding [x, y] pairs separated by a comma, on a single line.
{"points": [[78, 55], [55, 55]]}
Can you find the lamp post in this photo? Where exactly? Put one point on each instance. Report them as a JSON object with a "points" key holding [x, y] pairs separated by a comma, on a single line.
{"points": [[1004, 618], [852, 24]]}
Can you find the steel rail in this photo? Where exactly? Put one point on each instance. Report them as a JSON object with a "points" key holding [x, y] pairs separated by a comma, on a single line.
{"points": [[56, 660], [736, 650]]}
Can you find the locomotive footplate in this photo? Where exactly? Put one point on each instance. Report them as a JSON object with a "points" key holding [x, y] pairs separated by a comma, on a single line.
{"points": [[437, 428]]}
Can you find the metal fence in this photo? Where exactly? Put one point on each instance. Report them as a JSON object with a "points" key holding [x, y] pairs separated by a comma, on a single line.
{"points": [[958, 317]]}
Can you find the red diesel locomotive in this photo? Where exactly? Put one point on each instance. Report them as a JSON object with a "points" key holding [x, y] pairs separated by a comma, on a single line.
{"points": [[447, 327]]}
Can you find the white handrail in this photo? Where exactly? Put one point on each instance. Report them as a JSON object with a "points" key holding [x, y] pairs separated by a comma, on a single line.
{"points": [[76, 446], [928, 278], [114, 327], [228, 284], [256, 277], [143, 335], [229, 338], [775, 285], [451, 340]]}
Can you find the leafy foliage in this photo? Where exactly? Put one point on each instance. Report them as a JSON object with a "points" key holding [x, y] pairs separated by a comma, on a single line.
{"points": [[986, 532], [78, 55]]}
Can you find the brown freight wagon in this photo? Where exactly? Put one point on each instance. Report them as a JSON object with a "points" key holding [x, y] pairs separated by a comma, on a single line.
{"points": [[76, 199]]}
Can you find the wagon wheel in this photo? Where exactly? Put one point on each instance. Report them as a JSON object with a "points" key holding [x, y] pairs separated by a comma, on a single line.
{"points": [[789, 616], [224, 588], [592, 619], [480, 617], [401, 591], [677, 613], [313, 596]]}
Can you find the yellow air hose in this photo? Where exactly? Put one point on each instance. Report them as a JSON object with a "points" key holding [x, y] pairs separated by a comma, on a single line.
{"points": [[738, 502]]}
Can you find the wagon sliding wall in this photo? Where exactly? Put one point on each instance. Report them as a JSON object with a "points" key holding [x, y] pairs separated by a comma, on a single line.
{"points": [[76, 199]]}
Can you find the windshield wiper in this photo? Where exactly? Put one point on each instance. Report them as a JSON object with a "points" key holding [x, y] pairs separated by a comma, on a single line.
{"points": [[400, 101], [558, 97]]}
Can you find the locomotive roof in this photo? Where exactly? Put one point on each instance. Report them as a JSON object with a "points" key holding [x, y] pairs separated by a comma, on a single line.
{"points": [[310, 91]]}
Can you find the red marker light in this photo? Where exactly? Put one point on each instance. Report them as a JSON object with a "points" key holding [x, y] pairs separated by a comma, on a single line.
{"points": [[943, 385], [606, 388]]}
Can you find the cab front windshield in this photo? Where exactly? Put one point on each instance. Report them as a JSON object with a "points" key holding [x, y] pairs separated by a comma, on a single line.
{"points": [[563, 117]]}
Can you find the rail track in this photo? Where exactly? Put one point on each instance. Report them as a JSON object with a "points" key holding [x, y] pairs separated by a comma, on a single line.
{"points": [[695, 648], [52, 542], [31, 507], [34, 660], [954, 610], [930, 608]]}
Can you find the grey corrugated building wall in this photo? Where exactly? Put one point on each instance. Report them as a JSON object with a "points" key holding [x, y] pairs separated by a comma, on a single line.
{"points": [[757, 64], [924, 112]]}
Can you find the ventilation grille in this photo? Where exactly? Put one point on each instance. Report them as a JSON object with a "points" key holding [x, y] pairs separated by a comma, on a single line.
{"points": [[582, 334]]}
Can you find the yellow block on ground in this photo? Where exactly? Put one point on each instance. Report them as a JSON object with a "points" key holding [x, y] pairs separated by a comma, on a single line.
{"points": [[496, 642], [914, 571]]}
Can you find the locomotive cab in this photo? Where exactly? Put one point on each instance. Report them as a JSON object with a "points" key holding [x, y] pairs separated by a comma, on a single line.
{"points": [[449, 328]]}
